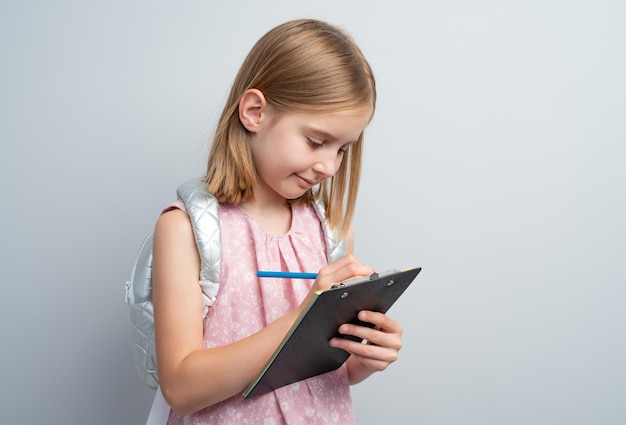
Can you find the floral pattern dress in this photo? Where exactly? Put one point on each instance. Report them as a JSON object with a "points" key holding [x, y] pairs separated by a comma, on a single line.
{"points": [[245, 304]]}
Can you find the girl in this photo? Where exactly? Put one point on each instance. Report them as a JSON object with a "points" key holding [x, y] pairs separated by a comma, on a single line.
{"points": [[294, 121]]}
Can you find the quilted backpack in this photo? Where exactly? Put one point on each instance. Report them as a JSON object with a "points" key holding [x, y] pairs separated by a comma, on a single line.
{"points": [[202, 208]]}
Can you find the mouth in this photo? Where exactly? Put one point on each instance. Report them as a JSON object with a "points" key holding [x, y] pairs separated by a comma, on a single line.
{"points": [[307, 182]]}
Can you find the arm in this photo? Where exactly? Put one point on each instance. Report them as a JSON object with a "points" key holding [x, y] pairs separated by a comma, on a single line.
{"points": [[190, 376]]}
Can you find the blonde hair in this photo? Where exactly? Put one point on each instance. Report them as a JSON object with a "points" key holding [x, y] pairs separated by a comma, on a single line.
{"points": [[307, 66]]}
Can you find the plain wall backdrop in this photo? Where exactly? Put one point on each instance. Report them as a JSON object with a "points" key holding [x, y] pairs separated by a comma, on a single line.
{"points": [[496, 161]]}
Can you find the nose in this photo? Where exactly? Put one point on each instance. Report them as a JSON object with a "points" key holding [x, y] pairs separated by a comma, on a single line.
{"points": [[327, 163]]}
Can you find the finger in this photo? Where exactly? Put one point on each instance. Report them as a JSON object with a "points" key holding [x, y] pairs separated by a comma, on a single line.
{"points": [[373, 336], [380, 321], [377, 356], [341, 270], [349, 266]]}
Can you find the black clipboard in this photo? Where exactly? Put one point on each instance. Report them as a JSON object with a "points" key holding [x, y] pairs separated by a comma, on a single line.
{"points": [[305, 351]]}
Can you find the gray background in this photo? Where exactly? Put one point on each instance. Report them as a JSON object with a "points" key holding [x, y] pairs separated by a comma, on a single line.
{"points": [[496, 161]]}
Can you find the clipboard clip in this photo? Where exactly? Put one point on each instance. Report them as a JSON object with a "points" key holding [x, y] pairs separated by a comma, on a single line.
{"points": [[373, 276]]}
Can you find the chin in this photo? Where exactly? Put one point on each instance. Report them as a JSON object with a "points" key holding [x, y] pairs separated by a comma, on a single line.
{"points": [[294, 195], [291, 192]]}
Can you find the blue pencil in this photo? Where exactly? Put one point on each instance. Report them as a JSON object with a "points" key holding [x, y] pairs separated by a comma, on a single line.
{"points": [[287, 275]]}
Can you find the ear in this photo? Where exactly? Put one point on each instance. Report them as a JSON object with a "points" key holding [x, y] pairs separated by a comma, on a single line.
{"points": [[252, 107]]}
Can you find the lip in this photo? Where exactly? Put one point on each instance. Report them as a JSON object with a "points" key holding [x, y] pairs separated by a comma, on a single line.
{"points": [[308, 182]]}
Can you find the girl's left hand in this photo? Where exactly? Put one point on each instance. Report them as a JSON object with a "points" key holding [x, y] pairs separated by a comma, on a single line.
{"points": [[384, 341]]}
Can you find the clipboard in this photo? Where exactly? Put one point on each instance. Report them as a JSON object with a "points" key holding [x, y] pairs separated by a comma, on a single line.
{"points": [[305, 351]]}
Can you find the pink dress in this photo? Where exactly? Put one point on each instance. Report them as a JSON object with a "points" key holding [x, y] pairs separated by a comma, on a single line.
{"points": [[245, 304]]}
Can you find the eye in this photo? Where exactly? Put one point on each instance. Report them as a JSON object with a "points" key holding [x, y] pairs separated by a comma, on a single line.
{"points": [[314, 143]]}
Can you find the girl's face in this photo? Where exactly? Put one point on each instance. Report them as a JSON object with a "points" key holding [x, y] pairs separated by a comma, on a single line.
{"points": [[294, 151]]}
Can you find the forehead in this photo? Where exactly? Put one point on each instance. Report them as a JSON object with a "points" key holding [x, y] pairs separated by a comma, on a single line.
{"points": [[344, 125]]}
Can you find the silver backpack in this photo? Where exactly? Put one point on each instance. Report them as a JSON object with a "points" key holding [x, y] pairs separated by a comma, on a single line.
{"points": [[202, 208]]}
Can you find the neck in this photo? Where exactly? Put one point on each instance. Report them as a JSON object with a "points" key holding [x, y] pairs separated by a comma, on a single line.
{"points": [[271, 211]]}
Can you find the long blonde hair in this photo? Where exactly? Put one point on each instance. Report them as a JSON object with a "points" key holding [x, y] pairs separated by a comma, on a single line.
{"points": [[307, 66]]}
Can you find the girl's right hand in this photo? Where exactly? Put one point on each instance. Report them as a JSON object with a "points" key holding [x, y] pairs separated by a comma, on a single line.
{"points": [[347, 267]]}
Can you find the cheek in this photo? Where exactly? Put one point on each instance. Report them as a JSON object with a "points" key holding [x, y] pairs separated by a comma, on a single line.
{"points": [[290, 154], [338, 161], [281, 150], [279, 161]]}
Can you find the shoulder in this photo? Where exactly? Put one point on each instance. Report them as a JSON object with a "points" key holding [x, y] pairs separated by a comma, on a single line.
{"points": [[173, 225], [173, 217], [174, 245]]}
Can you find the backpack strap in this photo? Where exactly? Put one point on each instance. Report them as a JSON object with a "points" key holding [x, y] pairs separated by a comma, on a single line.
{"points": [[335, 247], [203, 210]]}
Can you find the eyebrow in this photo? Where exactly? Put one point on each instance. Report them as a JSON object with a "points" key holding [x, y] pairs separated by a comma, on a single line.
{"points": [[323, 134]]}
